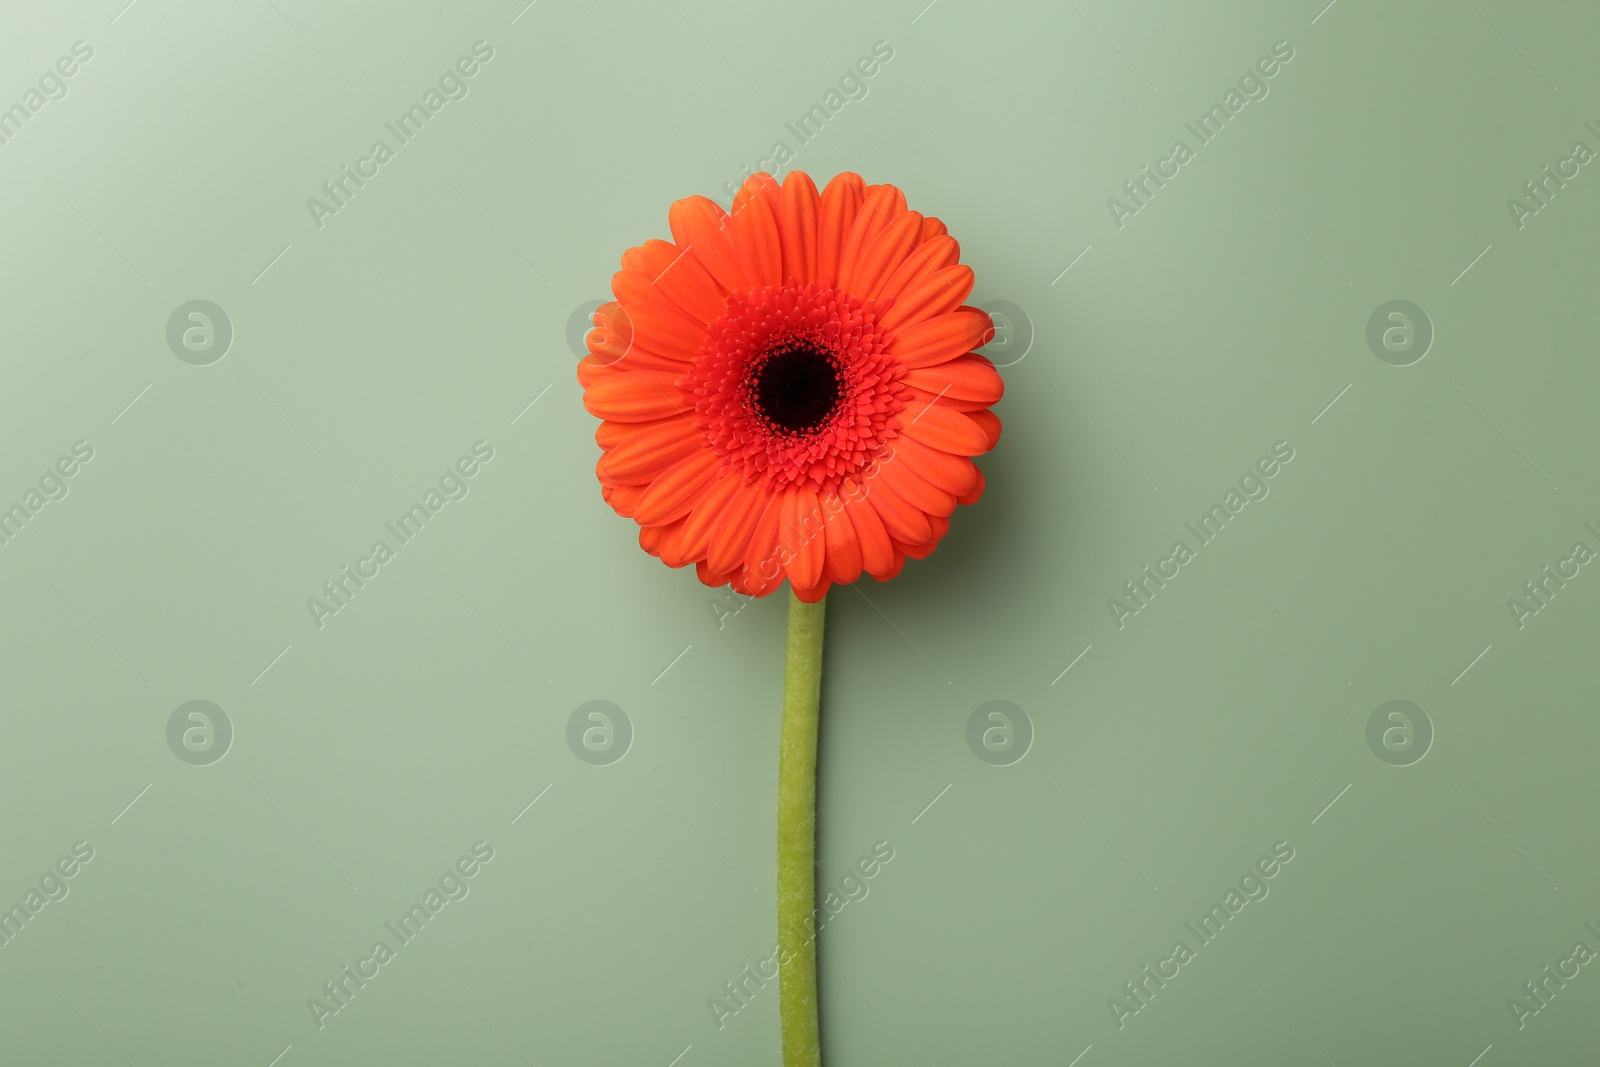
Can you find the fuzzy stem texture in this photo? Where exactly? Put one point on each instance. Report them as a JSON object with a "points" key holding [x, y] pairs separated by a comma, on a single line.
{"points": [[797, 836]]}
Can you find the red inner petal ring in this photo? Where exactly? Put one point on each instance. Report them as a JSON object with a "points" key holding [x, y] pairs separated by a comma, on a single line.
{"points": [[793, 387]]}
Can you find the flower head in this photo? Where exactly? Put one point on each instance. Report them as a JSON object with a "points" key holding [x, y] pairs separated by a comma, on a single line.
{"points": [[790, 390]]}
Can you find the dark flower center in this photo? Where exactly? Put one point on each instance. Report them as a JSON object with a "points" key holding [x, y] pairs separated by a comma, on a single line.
{"points": [[796, 387]]}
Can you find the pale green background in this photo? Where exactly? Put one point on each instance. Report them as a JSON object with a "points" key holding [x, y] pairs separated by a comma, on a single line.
{"points": [[422, 318]]}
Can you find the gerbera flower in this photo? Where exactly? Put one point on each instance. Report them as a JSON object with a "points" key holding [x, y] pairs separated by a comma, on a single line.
{"points": [[790, 390]]}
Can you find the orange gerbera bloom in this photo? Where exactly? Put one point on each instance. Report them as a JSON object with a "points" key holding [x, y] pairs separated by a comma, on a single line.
{"points": [[790, 390]]}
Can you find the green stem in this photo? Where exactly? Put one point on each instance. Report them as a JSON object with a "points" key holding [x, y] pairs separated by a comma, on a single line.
{"points": [[797, 836]]}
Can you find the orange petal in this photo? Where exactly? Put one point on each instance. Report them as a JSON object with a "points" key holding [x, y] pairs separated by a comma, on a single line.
{"points": [[698, 223], [658, 329], [904, 520], [976, 493], [930, 293], [612, 336], [947, 430], [712, 507], [803, 539], [754, 230], [894, 568], [609, 316], [761, 561], [638, 458], [668, 548], [635, 288], [881, 206], [917, 399], [681, 278], [797, 228], [844, 550], [676, 490], [989, 423], [888, 201], [638, 359], [730, 538], [882, 255], [611, 434], [707, 575], [877, 554], [917, 491], [930, 258], [751, 583], [940, 527], [963, 378], [635, 396], [590, 370], [955, 475], [836, 215], [634, 258], [650, 539], [622, 498], [760, 184], [814, 593], [943, 337]]}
